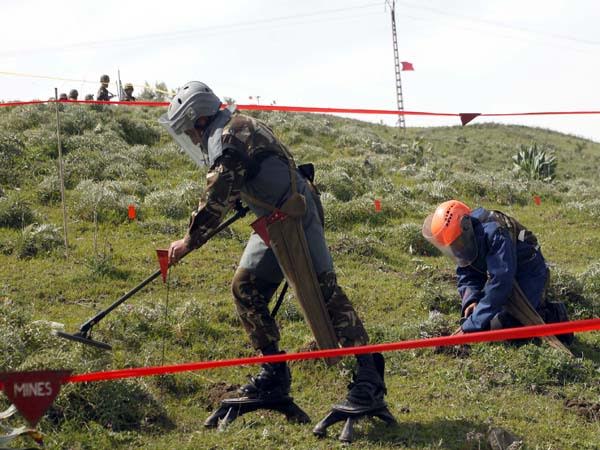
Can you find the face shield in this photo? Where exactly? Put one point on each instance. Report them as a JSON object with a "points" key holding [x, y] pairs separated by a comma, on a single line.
{"points": [[194, 151], [463, 249]]}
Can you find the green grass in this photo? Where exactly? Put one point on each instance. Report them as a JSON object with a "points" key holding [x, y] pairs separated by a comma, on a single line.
{"points": [[442, 401]]}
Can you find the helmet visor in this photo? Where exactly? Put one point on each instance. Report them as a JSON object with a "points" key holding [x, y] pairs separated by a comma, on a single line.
{"points": [[194, 151], [463, 249]]}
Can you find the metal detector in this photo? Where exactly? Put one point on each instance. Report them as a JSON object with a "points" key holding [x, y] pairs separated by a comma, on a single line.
{"points": [[84, 334]]}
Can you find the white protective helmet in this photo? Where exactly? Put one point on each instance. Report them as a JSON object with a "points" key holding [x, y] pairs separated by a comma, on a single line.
{"points": [[195, 99]]}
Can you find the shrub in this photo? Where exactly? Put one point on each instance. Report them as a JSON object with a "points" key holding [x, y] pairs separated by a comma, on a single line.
{"points": [[11, 150], [566, 287], [41, 143], [138, 131], [435, 191], [147, 157], [102, 265], [436, 325], [100, 201], [590, 280], [175, 203], [534, 163], [411, 241], [589, 207], [122, 166], [341, 185], [48, 190], [38, 239], [76, 119], [15, 212], [349, 245], [340, 215], [29, 116]]}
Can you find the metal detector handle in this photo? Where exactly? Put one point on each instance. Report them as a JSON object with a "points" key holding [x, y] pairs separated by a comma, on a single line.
{"points": [[241, 211], [98, 317]]}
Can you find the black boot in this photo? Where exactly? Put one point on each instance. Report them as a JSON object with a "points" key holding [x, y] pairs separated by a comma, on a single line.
{"points": [[272, 382], [367, 388], [365, 399]]}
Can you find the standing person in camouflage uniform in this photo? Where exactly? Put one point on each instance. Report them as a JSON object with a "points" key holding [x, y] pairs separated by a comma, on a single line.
{"points": [[245, 159], [128, 91], [103, 93]]}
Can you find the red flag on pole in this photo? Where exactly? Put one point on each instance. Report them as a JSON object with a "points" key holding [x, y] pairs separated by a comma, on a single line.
{"points": [[163, 262], [33, 392], [407, 66]]}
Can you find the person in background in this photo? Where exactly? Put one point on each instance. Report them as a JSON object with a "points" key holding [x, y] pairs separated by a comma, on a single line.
{"points": [[128, 91], [103, 93]]}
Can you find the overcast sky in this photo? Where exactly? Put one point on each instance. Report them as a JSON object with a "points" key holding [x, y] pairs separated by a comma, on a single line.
{"points": [[494, 56]]}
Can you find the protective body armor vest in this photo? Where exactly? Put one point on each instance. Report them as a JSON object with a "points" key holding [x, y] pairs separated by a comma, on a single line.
{"points": [[516, 231]]}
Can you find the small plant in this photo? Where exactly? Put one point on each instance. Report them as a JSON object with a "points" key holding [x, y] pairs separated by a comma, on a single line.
{"points": [[411, 241], [415, 153], [175, 203], [15, 212], [11, 150], [534, 163], [38, 239], [102, 265]]}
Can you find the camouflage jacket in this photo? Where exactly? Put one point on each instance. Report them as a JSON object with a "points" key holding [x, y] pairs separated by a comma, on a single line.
{"points": [[246, 142], [103, 94]]}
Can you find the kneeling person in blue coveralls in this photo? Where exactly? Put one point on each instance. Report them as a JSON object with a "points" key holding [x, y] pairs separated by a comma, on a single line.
{"points": [[496, 258], [247, 161]]}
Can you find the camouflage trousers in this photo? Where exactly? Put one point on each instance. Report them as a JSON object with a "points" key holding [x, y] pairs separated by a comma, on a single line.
{"points": [[252, 296]]}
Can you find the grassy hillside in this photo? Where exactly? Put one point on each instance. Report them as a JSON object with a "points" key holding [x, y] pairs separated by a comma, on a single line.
{"points": [[116, 156]]}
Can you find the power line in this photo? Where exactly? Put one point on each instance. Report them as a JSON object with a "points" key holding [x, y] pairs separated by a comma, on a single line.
{"points": [[191, 32], [498, 23]]}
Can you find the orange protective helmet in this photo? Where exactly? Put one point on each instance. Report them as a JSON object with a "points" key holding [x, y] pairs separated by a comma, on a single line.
{"points": [[445, 223], [450, 229]]}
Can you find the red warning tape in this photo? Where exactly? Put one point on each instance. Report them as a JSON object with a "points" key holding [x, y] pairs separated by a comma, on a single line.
{"points": [[316, 109], [484, 336]]}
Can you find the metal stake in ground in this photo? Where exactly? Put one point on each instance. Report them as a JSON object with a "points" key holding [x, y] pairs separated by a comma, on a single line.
{"points": [[61, 174]]}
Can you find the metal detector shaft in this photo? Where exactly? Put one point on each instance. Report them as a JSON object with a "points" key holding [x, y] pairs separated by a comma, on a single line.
{"points": [[241, 211]]}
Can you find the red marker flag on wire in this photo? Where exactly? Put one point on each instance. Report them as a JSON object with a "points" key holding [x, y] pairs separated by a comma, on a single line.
{"points": [[537, 199], [465, 118], [377, 205], [407, 66], [33, 392]]}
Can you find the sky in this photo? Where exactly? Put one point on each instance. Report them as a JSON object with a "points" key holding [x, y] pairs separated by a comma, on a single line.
{"points": [[495, 56]]}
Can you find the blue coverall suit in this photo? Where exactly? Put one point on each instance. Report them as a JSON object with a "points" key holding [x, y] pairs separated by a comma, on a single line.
{"points": [[489, 279]]}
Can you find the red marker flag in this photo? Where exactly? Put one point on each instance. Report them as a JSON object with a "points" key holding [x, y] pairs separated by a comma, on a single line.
{"points": [[131, 212], [537, 199], [163, 261], [407, 66], [33, 392], [465, 118], [377, 205]]}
